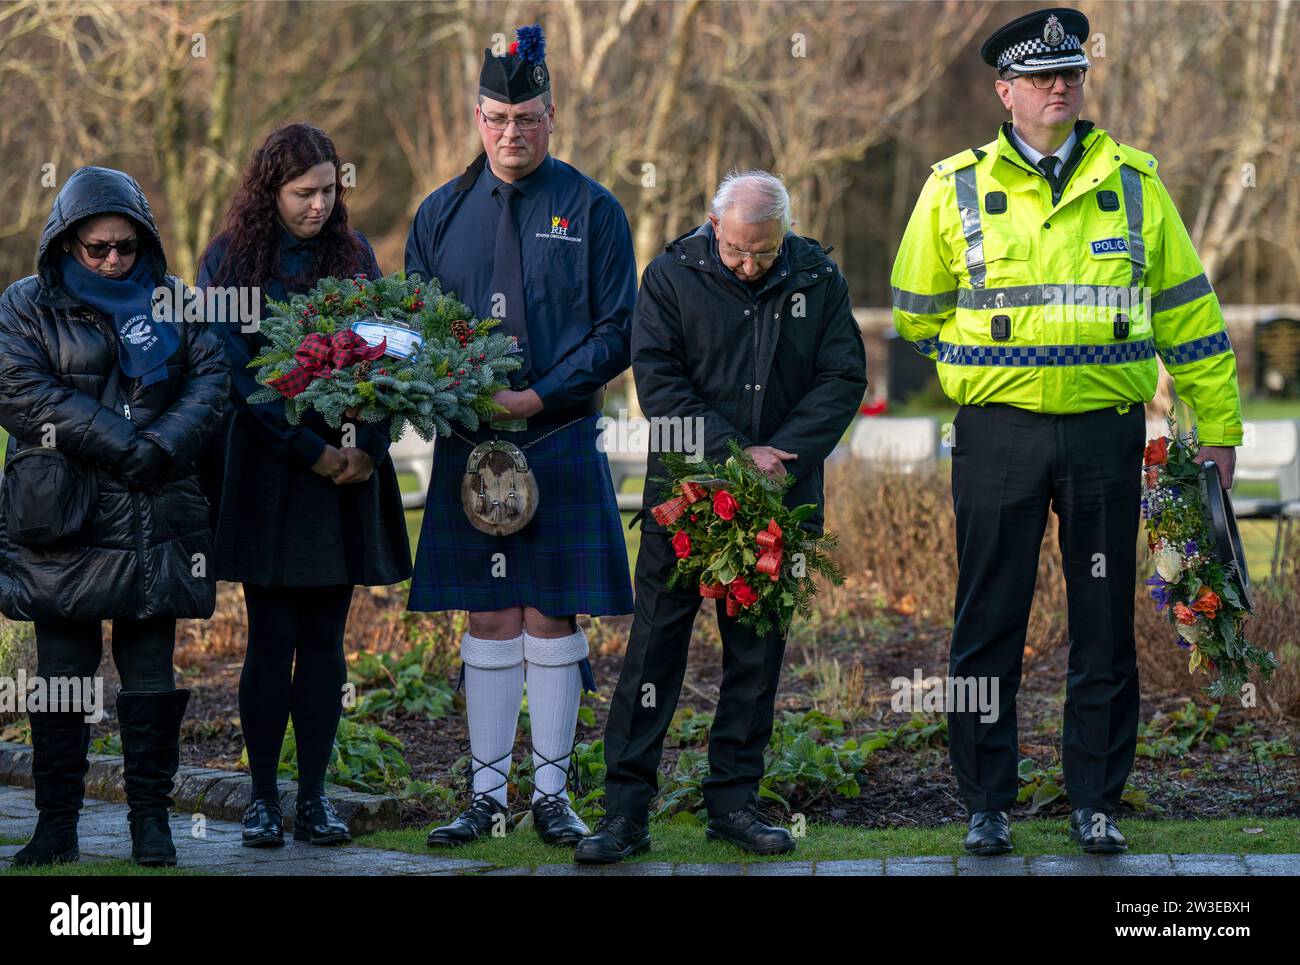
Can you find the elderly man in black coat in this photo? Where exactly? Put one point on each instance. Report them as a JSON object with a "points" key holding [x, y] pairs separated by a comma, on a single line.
{"points": [[745, 327]]}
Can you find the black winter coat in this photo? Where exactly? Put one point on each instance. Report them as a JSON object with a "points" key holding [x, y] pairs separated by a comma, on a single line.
{"points": [[277, 522], [146, 550], [778, 364]]}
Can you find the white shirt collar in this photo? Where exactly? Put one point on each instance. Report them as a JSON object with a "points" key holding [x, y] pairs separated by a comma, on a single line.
{"points": [[1062, 152]]}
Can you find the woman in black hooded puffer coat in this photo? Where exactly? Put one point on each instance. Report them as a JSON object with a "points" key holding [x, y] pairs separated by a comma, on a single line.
{"points": [[141, 558]]}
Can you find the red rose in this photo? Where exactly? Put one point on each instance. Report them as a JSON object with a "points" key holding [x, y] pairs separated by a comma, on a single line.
{"points": [[682, 545], [743, 592], [724, 504], [1157, 452], [514, 46]]}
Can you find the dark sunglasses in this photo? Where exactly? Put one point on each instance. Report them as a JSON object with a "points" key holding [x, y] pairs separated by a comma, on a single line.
{"points": [[101, 249]]}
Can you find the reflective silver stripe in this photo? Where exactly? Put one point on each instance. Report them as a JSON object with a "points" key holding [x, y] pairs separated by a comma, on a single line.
{"points": [[906, 301], [1180, 295], [968, 207], [1137, 252], [1032, 296]]}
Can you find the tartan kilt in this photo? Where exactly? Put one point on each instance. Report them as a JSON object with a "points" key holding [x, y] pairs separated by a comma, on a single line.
{"points": [[571, 558]]}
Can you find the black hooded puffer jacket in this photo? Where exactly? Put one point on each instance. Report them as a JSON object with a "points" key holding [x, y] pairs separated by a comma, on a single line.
{"points": [[146, 548]]}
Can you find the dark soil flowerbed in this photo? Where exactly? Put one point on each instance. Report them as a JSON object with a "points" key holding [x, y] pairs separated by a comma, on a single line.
{"points": [[901, 787]]}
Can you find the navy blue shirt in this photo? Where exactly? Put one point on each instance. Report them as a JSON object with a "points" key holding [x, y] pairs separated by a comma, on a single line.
{"points": [[578, 263]]}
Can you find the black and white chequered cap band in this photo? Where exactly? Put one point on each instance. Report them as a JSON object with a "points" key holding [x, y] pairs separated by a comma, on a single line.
{"points": [[1036, 53]]}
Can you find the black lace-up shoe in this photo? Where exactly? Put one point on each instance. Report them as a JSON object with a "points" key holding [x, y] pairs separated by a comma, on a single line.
{"points": [[614, 839], [475, 822], [745, 829]]}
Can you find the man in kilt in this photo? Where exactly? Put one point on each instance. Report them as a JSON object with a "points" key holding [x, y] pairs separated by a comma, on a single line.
{"points": [[529, 239]]}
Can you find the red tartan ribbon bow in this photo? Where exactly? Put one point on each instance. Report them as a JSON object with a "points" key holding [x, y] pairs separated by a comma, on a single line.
{"points": [[318, 355], [713, 591], [770, 549], [667, 513]]}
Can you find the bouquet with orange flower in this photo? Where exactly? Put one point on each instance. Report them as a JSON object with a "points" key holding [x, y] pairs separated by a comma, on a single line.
{"points": [[1200, 580], [737, 541]]}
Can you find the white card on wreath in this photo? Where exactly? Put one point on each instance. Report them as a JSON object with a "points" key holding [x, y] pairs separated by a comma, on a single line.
{"points": [[402, 341]]}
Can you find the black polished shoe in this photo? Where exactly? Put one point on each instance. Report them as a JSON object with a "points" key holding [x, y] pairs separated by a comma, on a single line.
{"points": [[745, 829], [264, 824], [990, 833], [316, 822], [1096, 831], [475, 822], [614, 839], [556, 822]]}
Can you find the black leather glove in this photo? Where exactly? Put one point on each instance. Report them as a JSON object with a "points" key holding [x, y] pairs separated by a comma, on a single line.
{"points": [[145, 465]]}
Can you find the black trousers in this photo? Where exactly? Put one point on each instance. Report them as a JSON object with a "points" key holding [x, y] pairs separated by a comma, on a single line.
{"points": [[1008, 466], [651, 682], [142, 650]]}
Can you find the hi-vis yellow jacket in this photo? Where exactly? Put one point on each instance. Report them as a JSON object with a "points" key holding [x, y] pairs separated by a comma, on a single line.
{"points": [[1061, 304]]}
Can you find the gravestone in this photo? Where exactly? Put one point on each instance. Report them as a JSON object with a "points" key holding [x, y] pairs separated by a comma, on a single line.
{"points": [[1277, 358], [909, 372]]}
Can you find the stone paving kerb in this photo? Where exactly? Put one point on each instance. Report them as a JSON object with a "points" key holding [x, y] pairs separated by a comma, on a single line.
{"points": [[104, 835]]}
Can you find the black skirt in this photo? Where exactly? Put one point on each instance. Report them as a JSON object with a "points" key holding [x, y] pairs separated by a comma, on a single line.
{"points": [[277, 524]]}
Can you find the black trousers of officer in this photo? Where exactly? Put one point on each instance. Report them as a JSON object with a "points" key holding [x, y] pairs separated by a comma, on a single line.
{"points": [[1008, 466], [651, 681]]}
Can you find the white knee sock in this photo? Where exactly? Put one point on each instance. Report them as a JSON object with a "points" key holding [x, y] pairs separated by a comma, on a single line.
{"points": [[494, 688], [554, 692]]}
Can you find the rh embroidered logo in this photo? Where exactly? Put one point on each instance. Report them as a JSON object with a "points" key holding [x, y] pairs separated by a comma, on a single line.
{"points": [[559, 229]]}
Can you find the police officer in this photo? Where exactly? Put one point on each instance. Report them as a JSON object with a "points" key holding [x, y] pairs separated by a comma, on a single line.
{"points": [[1044, 272], [527, 238]]}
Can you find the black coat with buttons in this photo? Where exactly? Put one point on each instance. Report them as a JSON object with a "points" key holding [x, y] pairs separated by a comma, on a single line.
{"points": [[780, 363], [145, 551]]}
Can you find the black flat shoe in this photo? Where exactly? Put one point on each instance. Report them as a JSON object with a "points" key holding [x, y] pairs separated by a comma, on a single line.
{"points": [[1096, 831], [746, 830], [476, 821], [614, 839], [990, 833], [557, 823], [316, 822], [264, 824]]}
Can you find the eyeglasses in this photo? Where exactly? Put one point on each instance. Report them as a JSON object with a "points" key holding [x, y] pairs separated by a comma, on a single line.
{"points": [[100, 249], [525, 122], [760, 257], [1072, 77]]}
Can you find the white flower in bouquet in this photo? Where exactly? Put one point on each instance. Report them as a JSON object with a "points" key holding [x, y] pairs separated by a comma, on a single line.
{"points": [[1169, 564]]}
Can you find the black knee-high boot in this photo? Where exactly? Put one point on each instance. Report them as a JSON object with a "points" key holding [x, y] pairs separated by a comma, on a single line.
{"points": [[60, 740], [151, 732]]}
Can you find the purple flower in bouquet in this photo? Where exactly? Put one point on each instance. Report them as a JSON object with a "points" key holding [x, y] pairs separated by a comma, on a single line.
{"points": [[1191, 547], [1183, 644], [1160, 591]]}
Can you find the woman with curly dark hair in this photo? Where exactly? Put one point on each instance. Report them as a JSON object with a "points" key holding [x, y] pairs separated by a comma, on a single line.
{"points": [[302, 513]]}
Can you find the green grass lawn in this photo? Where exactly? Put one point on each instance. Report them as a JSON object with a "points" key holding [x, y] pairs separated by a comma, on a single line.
{"points": [[676, 841]]}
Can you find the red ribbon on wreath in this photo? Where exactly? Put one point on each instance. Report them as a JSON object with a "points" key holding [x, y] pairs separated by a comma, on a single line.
{"points": [[667, 513], [318, 355], [770, 550], [713, 591]]}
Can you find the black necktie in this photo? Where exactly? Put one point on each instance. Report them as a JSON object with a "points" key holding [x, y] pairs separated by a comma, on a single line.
{"points": [[1048, 165], [508, 274]]}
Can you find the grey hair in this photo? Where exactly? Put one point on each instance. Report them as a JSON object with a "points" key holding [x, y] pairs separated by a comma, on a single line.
{"points": [[760, 196]]}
